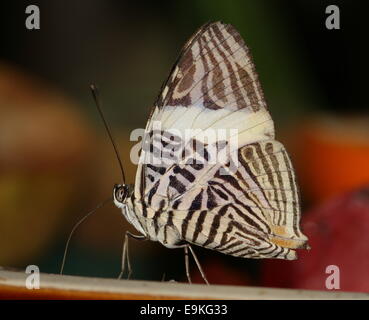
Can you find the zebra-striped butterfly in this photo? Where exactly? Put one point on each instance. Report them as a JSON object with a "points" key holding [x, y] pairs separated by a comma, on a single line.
{"points": [[181, 195]]}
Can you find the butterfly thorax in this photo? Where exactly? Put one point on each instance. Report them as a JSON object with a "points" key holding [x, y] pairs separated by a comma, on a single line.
{"points": [[128, 213], [146, 221]]}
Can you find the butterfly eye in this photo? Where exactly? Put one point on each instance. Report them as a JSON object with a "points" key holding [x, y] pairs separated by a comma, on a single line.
{"points": [[120, 193]]}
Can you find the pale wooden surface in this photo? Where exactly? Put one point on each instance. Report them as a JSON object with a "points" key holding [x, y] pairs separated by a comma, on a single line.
{"points": [[12, 285]]}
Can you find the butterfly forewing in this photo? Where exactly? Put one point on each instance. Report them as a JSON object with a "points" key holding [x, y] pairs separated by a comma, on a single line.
{"points": [[182, 194], [214, 70]]}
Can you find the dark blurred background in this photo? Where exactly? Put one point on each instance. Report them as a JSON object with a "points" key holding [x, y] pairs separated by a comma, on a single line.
{"points": [[56, 162]]}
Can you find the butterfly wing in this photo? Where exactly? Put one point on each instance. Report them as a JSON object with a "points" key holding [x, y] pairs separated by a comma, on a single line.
{"points": [[253, 210], [214, 70]]}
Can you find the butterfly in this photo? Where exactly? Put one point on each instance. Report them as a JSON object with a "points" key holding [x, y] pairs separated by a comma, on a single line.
{"points": [[246, 205]]}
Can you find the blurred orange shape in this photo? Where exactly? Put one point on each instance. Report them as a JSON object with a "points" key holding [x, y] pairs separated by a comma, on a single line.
{"points": [[332, 156], [44, 147]]}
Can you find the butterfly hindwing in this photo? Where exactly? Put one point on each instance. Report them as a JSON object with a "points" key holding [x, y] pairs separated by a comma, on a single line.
{"points": [[253, 212]]}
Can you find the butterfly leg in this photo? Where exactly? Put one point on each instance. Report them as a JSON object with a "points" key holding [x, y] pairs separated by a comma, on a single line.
{"points": [[125, 254], [198, 265], [163, 277], [187, 264]]}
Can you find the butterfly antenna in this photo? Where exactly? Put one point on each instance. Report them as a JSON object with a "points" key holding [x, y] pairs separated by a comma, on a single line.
{"points": [[76, 226], [95, 94]]}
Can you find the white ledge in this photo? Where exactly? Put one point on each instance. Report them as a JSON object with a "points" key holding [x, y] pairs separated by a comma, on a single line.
{"points": [[13, 285]]}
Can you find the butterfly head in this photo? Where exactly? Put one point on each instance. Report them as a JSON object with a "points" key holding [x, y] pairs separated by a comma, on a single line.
{"points": [[121, 192]]}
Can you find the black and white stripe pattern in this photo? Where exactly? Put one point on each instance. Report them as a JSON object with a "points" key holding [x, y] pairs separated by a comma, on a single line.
{"points": [[215, 71], [253, 211]]}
